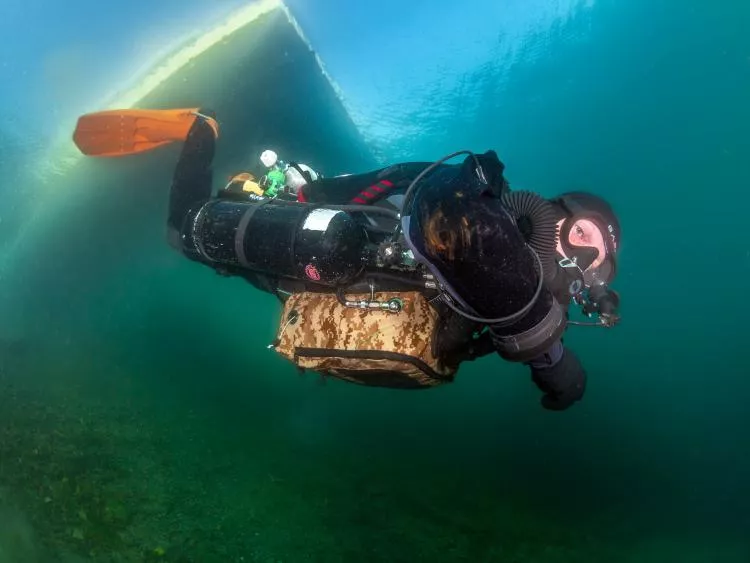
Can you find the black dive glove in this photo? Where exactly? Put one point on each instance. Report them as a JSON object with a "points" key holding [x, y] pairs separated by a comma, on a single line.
{"points": [[605, 302], [560, 376]]}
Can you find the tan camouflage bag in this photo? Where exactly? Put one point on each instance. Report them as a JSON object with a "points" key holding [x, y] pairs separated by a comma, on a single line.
{"points": [[366, 346]]}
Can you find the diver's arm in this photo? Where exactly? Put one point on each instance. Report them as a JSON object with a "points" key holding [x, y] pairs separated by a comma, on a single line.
{"points": [[560, 376], [192, 179], [555, 369]]}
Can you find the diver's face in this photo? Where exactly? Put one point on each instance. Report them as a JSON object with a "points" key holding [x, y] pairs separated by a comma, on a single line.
{"points": [[584, 233]]}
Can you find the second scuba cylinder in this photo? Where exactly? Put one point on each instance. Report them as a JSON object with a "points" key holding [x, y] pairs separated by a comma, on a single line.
{"points": [[284, 239]]}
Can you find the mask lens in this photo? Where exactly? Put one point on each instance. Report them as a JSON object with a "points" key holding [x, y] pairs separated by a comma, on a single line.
{"points": [[583, 241]]}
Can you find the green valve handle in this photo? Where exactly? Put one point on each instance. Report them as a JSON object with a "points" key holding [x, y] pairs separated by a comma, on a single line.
{"points": [[394, 305]]}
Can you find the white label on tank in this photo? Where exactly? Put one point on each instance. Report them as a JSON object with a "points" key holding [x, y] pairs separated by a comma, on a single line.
{"points": [[319, 218]]}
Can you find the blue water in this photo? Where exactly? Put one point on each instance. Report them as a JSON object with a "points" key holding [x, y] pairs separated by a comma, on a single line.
{"points": [[643, 102]]}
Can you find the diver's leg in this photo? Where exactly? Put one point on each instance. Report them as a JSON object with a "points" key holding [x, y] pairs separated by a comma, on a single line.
{"points": [[192, 180], [339, 190], [362, 188]]}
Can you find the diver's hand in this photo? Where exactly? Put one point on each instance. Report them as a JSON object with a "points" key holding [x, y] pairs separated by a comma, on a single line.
{"points": [[606, 303], [562, 382]]}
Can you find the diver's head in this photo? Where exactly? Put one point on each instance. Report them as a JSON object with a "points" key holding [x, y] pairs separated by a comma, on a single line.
{"points": [[268, 158], [589, 235]]}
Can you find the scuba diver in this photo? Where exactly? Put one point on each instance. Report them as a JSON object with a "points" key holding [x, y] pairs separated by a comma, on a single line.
{"points": [[395, 277], [284, 178]]}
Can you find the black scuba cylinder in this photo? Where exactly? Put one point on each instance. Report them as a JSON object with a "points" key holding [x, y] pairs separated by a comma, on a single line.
{"points": [[283, 239]]}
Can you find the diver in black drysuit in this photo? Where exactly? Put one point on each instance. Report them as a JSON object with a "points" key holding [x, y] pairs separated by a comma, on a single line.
{"points": [[490, 253]]}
